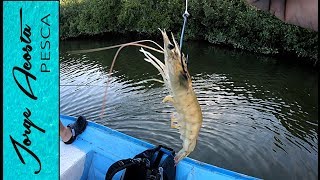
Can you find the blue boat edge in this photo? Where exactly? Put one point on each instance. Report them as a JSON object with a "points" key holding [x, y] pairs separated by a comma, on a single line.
{"points": [[192, 162]]}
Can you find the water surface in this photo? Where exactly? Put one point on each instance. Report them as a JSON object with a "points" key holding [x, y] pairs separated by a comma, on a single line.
{"points": [[260, 115]]}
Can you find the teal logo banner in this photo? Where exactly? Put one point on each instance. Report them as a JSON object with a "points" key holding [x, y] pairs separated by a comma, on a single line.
{"points": [[31, 89]]}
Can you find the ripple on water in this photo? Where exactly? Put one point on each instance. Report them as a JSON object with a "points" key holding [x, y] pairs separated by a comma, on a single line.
{"points": [[251, 124]]}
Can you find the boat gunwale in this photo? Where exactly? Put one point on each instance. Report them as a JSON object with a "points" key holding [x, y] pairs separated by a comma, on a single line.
{"points": [[189, 161]]}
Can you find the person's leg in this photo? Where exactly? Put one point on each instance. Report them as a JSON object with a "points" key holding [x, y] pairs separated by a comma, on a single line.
{"points": [[68, 134], [65, 132]]}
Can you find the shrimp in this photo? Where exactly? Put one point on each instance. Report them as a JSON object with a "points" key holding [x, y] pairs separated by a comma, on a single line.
{"points": [[188, 119]]}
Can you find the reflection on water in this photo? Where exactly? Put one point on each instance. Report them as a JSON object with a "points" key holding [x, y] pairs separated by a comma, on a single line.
{"points": [[260, 117]]}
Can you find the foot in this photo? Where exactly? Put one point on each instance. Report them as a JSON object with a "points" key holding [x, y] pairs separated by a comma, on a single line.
{"points": [[77, 128]]}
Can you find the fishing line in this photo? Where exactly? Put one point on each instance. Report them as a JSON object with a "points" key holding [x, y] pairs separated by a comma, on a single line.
{"points": [[185, 16], [136, 43]]}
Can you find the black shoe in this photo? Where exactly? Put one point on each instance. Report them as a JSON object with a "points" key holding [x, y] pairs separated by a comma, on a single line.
{"points": [[77, 128]]}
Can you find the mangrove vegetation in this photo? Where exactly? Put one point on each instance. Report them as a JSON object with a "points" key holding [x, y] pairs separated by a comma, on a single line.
{"points": [[230, 23]]}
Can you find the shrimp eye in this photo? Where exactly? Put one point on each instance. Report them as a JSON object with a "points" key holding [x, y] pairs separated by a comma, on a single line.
{"points": [[170, 46]]}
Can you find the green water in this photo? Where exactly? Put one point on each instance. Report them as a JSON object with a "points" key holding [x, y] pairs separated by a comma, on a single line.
{"points": [[260, 115]]}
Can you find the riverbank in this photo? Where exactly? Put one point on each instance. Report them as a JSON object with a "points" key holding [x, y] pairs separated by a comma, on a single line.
{"points": [[231, 24]]}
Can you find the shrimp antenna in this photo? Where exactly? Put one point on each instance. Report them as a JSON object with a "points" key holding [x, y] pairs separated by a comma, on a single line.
{"points": [[119, 45], [136, 43]]}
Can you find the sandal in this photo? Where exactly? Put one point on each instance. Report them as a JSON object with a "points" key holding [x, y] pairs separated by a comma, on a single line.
{"points": [[77, 128]]}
